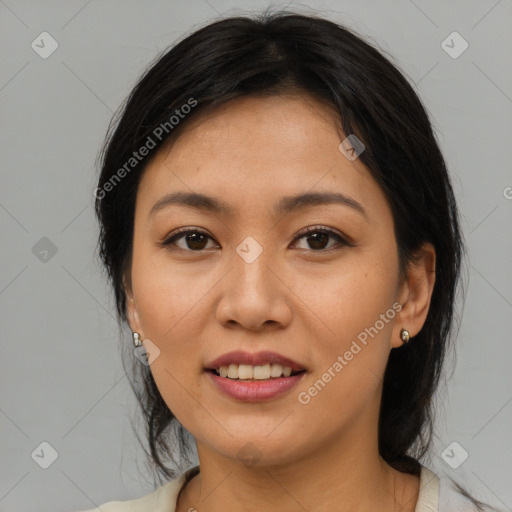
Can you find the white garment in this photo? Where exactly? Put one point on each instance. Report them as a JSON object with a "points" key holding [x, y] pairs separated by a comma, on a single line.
{"points": [[435, 495]]}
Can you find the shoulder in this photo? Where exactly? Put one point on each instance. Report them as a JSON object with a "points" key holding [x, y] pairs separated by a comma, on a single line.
{"points": [[440, 494], [452, 499], [163, 499]]}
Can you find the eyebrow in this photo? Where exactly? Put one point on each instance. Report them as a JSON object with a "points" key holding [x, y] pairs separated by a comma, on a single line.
{"points": [[285, 205]]}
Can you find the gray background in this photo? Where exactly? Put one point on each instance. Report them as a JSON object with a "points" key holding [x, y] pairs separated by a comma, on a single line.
{"points": [[61, 379]]}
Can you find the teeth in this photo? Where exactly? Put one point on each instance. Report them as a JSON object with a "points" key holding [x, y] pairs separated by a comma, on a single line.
{"points": [[247, 371]]}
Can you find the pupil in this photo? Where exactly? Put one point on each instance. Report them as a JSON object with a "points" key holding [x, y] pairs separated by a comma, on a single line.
{"points": [[316, 237], [192, 240]]}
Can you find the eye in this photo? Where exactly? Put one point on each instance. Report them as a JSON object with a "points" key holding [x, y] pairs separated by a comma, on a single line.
{"points": [[318, 236], [195, 240]]}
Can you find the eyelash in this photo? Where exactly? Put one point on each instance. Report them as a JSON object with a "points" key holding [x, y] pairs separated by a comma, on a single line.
{"points": [[179, 233]]}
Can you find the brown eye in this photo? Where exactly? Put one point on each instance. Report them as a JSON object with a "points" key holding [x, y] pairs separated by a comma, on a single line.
{"points": [[318, 238], [194, 240]]}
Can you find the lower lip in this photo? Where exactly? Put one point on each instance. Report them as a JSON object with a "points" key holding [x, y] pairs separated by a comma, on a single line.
{"points": [[255, 390]]}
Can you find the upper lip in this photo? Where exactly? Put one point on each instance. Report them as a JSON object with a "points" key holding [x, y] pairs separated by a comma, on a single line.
{"points": [[257, 359]]}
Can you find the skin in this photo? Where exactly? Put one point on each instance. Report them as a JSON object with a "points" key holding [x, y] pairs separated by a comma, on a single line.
{"points": [[305, 301]]}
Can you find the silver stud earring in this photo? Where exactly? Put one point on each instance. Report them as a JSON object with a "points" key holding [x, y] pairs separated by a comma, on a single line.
{"points": [[404, 334], [136, 339]]}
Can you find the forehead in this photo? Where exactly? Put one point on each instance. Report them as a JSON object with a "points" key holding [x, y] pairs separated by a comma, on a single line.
{"points": [[259, 150]]}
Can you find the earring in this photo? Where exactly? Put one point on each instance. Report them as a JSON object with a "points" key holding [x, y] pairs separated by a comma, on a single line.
{"points": [[136, 339], [404, 334]]}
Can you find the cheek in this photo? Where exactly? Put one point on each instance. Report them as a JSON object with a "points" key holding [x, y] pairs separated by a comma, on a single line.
{"points": [[351, 364], [353, 302], [166, 295], [358, 317], [169, 306], [167, 319]]}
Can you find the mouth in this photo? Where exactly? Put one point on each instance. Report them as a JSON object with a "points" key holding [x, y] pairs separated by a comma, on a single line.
{"points": [[245, 383], [258, 373], [240, 364]]}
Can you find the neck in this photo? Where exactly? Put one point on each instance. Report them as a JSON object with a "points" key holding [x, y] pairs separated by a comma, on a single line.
{"points": [[344, 474]]}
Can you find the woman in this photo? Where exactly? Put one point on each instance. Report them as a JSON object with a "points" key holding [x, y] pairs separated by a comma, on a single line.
{"points": [[283, 240]]}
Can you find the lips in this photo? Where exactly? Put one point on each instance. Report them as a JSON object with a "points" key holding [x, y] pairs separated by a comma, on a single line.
{"points": [[257, 359]]}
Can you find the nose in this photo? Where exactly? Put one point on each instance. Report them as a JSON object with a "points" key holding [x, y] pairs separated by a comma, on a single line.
{"points": [[254, 295]]}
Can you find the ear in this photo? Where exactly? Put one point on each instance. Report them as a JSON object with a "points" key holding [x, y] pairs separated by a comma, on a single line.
{"points": [[415, 294], [131, 306]]}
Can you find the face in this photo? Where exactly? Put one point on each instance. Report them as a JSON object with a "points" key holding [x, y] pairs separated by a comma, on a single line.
{"points": [[314, 297]]}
